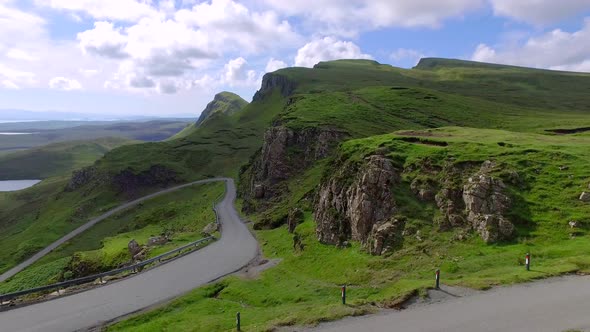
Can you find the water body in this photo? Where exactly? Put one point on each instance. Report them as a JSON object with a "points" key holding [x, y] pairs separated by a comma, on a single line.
{"points": [[10, 134], [15, 185]]}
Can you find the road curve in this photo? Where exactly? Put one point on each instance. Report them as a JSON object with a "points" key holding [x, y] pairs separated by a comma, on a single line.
{"points": [[91, 223], [553, 305], [232, 251]]}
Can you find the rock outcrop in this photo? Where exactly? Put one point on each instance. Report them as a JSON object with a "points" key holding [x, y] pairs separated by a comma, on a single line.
{"points": [[272, 81], [386, 237], [486, 204], [210, 228], [585, 197], [295, 218], [82, 177], [352, 203], [129, 182], [157, 241], [134, 248], [285, 152]]}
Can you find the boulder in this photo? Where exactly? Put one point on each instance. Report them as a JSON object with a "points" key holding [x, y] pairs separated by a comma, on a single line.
{"points": [[157, 241], [210, 228], [573, 224], [295, 218], [386, 237], [585, 197], [493, 228], [258, 191], [134, 248]]}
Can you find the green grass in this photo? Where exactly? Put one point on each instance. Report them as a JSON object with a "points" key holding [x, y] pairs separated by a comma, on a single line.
{"points": [[182, 214], [304, 287], [55, 159]]}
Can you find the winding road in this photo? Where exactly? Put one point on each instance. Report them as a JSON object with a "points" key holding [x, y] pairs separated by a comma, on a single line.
{"points": [[235, 249], [553, 305]]}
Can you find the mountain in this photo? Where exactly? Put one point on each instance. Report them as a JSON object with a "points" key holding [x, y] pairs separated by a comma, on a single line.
{"points": [[355, 172], [225, 103]]}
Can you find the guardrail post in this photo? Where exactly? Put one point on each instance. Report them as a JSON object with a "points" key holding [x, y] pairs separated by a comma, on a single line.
{"points": [[437, 279], [527, 261], [343, 294], [238, 322]]}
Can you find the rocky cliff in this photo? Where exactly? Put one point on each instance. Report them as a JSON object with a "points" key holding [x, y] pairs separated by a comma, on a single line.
{"points": [[126, 182], [272, 81], [357, 202], [284, 153]]}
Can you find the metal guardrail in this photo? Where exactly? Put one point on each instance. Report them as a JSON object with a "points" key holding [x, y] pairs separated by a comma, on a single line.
{"points": [[134, 267], [83, 280]]}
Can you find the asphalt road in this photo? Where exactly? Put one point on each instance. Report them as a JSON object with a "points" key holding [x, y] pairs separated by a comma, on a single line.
{"points": [[235, 249], [89, 224], [553, 305]]}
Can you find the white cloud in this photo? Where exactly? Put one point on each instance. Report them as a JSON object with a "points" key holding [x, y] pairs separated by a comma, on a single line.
{"points": [[236, 73], [327, 48], [63, 83], [172, 50], [539, 12], [121, 10], [556, 49], [274, 65], [18, 54], [9, 85], [349, 17], [104, 40]]}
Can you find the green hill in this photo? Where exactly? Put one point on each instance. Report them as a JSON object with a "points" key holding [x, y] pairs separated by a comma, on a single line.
{"points": [[411, 140], [225, 103]]}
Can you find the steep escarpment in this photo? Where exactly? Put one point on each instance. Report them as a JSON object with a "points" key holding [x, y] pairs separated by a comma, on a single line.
{"points": [[272, 82], [285, 153]]}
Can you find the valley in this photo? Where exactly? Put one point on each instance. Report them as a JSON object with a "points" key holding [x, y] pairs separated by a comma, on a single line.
{"points": [[351, 172]]}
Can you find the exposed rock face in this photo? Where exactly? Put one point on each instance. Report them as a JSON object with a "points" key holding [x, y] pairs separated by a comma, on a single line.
{"points": [[449, 201], [386, 237], [134, 248], [585, 197], [286, 152], [82, 177], [486, 204], [273, 81], [350, 209], [295, 218], [129, 182]]}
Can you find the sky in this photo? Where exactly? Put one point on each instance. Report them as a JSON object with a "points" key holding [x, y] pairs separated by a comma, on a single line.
{"points": [[170, 57]]}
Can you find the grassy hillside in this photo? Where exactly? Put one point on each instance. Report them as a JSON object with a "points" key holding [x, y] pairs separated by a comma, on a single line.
{"points": [[224, 103], [181, 215], [310, 278], [55, 159], [368, 101]]}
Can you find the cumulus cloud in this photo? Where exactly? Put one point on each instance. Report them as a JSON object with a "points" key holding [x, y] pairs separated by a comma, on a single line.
{"points": [[539, 12], [104, 40], [121, 10], [556, 49], [274, 65], [236, 73], [348, 17], [177, 46], [63, 83], [325, 49]]}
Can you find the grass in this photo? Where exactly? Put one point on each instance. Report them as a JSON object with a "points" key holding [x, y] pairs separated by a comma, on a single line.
{"points": [[182, 214], [55, 159], [304, 287]]}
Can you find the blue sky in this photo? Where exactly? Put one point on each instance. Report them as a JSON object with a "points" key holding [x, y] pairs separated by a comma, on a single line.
{"points": [[144, 57]]}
